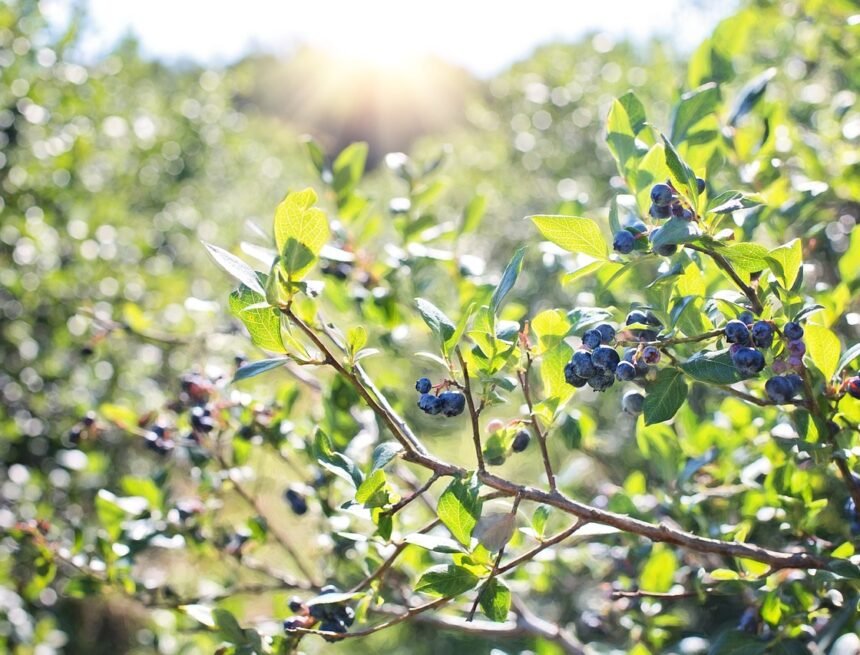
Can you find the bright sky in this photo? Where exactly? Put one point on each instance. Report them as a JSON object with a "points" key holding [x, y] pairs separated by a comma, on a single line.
{"points": [[480, 35]]}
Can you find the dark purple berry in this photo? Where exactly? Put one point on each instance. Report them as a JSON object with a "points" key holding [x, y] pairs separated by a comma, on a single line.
{"points": [[591, 339], [293, 624], [452, 402], [650, 355], [623, 242], [423, 385], [605, 358], [792, 331], [521, 441], [661, 194], [607, 333], [762, 334], [748, 361], [796, 348], [632, 403], [625, 371], [737, 332], [659, 212], [795, 361], [429, 403]]}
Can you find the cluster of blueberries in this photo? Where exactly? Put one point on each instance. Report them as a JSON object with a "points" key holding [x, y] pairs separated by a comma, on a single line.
{"points": [[598, 365], [665, 203], [447, 403], [749, 337], [332, 617]]}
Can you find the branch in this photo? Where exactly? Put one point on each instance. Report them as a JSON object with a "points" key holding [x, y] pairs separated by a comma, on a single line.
{"points": [[535, 423], [530, 554], [473, 413], [727, 268], [713, 334]]}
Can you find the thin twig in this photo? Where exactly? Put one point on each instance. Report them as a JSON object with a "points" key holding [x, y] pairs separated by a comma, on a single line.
{"points": [[530, 554], [473, 413], [729, 270], [535, 424]]}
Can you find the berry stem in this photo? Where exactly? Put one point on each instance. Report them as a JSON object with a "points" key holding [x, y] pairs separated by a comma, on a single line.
{"points": [[729, 270], [523, 376], [473, 412], [713, 334]]}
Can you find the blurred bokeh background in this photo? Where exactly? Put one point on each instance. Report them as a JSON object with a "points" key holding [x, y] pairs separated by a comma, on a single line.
{"points": [[129, 131]]}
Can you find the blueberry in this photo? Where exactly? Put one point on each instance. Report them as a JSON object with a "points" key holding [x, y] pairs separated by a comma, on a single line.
{"points": [[296, 604], [796, 382], [667, 249], [661, 194], [650, 355], [423, 385], [748, 361], [521, 441], [636, 227], [643, 317], [629, 355], [296, 501], [607, 333], [796, 347], [623, 242], [591, 339], [345, 614], [453, 403], [293, 624], [429, 403], [329, 589], [657, 211], [737, 332], [605, 358], [677, 209], [583, 367], [700, 185], [853, 386], [746, 317], [749, 621], [571, 377], [779, 389], [762, 334], [795, 361], [779, 366], [625, 371], [792, 330], [632, 403], [332, 625], [601, 381]]}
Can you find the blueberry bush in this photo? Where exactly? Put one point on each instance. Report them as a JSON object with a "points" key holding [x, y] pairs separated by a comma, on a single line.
{"points": [[637, 431]]}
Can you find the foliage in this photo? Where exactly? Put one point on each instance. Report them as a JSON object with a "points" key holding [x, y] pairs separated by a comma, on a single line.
{"points": [[181, 501]]}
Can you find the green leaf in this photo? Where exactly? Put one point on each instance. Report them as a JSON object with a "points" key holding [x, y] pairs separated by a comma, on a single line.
{"points": [[316, 154], [823, 347], [335, 462], [145, 488], [495, 601], [620, 138], [373, 492], [110, 514], [735, 642], [552, 366], [850, 355], [785, 262], [539, 520], [659, 571], [200, 613], [473, 214], [459, 509], [436, 543], [436, 320], [683, 174], [495, 529], [731, 201], [300, 229], [256, 368], [676, 230], [262, 321], [712, 367], [665, 396], [228, 628], [746, 257], [635, 111], [771, 609], [446, 581], [694, 106], [509, 278], [573, 233], [348, 168], [749, 96], [235, 267], [383, 454], [356, 338]]}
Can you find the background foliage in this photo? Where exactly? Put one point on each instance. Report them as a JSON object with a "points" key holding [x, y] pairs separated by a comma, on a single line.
{"points": [[111, 174]]}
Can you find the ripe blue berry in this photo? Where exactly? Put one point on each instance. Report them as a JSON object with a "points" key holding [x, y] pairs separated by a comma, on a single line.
{"points": [[632, 403], [591, 339], [429, 404], [521, 441], [607, 333], [571, 377], [853, 386], [796, 382], [582, 364], [746, 317], [625, 371], [452, 403], [296, 604], [737, 332], [748, 361], [658, 211], [601, 381], [296, 501], [605, 358], [700, 185], [796, 347], [643, 318], [792, 330], [661, 194], [636, 227], [423, 385], [623, 242], [293, 624], [650, 355], [664, 250], [762, 334], [779, 389]]}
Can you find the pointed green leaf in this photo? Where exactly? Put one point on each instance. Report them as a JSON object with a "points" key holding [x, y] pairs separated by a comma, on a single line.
{"points": [[574, 234], [509, 278], [665, 396], [235, 267], [446, 581], [712, 367], [436, 319], [262, 321], [785, 262], [823, 347], [459, 509], [694, 106], [496, 601], [675, 231], [301, 230]]}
